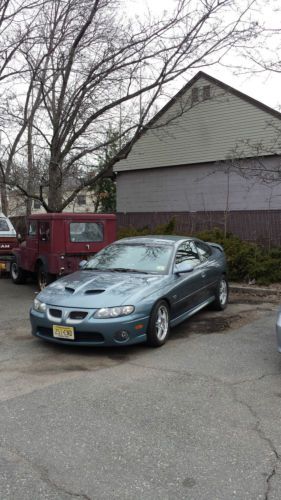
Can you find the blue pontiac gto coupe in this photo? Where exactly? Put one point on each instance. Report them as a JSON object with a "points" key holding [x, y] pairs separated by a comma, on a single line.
{"points": [[132, 291]]}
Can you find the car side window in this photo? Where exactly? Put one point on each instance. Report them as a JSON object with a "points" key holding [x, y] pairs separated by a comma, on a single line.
{"points": [[204, 250], [187, 252]]}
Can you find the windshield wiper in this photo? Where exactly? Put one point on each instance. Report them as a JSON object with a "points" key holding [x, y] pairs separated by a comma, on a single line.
{"points": [[114, 269], [127, 270], [90, 269]]}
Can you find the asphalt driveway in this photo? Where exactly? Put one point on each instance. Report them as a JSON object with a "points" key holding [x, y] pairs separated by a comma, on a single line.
{"points": [[197, 419]]}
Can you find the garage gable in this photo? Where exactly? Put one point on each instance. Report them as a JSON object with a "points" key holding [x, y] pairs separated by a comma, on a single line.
{"points": [[207, 121]]}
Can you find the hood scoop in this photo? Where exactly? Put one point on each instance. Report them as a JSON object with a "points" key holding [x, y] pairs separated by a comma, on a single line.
{"points": [[94, 292], [69, 289]]}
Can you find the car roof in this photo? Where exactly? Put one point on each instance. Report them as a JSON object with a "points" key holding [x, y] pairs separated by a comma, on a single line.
{"points": [[155, 239]]}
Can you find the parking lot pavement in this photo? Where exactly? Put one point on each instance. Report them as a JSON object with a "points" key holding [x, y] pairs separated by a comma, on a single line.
{"points": [[197, 419]]}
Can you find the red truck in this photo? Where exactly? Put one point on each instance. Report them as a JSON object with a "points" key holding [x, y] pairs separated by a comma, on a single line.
{"points": [[57, 242], [8, 241]]}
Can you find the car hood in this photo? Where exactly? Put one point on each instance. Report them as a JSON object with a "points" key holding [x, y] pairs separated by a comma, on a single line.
{"points": [[100, 289]]}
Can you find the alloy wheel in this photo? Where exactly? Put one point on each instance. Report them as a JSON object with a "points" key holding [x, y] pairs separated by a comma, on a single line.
{"points": [[162, 322]]}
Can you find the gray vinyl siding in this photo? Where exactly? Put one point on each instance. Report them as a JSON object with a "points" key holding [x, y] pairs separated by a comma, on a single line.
{"points": [[194, 188], [221, 127]]}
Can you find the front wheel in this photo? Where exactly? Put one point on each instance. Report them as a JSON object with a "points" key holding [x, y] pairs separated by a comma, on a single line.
{"points": [[43, 277], [159, 324], [221, 295], [18, 275]]}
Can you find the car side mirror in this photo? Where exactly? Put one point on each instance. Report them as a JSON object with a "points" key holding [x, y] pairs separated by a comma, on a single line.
{"points": [[183, 267], [82, 264]]}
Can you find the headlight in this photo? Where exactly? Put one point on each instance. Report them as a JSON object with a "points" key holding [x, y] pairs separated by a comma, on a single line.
{"points": [[114, 312], [39, 306]]}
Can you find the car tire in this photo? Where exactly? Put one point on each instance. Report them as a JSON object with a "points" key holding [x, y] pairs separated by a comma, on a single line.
{"points": [[159, 324], [221, 294], [18, 275], [43, 277]]}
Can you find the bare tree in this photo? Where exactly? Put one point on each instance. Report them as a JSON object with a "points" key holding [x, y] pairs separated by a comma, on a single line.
{"points": [[87, 62], [17, 20]]}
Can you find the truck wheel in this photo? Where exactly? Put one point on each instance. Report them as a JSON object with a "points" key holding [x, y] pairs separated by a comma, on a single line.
{"points": [[18, 275], [43, 277]]}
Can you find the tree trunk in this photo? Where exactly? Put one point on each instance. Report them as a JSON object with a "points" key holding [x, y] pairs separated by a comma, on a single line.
{"points": [[4, 200], [30, 181], [55, 187]]}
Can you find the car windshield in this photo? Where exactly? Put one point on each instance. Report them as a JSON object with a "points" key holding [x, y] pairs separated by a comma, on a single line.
{"points": [[133, 258], [3, 224]]}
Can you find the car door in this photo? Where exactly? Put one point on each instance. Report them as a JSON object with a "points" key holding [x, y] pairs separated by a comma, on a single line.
{"points": [[29, 249], [187, 292]]}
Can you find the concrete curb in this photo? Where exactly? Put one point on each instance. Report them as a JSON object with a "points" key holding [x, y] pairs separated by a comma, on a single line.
{"points": [[254, 290]]}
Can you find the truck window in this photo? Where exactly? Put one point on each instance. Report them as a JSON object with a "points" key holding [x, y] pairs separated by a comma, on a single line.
{"points": [[84, 232], [32, 229], [44, 231], [3, 225]]}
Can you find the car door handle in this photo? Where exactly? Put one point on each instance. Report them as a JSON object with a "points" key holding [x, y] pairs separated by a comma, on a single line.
{"points": [[203, 274]]}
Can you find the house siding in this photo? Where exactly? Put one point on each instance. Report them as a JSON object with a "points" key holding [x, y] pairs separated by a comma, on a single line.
{"points": [[209, 130], [193, 188]]}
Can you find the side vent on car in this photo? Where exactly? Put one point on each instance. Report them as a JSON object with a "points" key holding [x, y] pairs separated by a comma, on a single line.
{"points": [[94, 292]]}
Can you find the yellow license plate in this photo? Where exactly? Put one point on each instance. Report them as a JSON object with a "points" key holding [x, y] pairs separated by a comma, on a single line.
{"points": [[3, 267], [63, 332]]}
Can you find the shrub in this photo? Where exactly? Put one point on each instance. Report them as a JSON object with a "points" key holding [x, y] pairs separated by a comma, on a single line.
{"points": [[247, 261], [168, 228]]}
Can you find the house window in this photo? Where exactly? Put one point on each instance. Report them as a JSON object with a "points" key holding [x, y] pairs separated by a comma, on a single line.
{"points": [[206, 93], [81, 199], [194, 95], [36, 204]]}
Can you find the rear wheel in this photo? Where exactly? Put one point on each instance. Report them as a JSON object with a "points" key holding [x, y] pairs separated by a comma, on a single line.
{"points": [[18, 275], [159, 324], [221, 295], [43, 277]]}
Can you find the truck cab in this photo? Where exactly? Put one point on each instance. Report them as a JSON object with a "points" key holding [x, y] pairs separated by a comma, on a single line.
{"points": [[57, 242], [8, 241]]}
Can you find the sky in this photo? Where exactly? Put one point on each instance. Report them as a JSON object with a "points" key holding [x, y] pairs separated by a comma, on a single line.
{"points": [[263, 86]]}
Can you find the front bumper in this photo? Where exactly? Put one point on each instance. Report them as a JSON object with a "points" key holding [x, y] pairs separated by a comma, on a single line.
{"points": [[278, 331], [91, 331]]}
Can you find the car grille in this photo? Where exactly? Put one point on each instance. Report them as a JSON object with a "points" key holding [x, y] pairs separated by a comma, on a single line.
{"points": [[78, 314], [56, 313], [80, 337]]}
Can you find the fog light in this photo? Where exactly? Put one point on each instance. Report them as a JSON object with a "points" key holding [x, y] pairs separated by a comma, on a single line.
{"points": [[121, 336]]}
